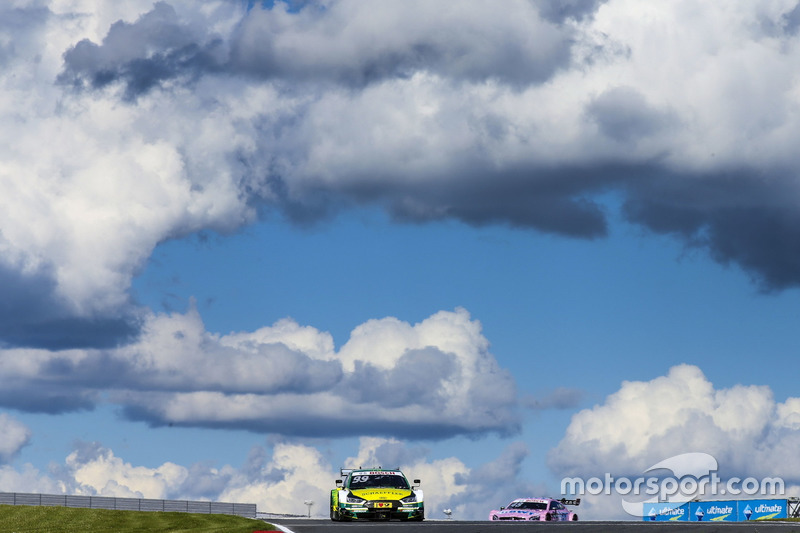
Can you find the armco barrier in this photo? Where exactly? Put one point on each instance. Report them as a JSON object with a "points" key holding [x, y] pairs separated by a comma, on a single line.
{"points": [[247, 510]]}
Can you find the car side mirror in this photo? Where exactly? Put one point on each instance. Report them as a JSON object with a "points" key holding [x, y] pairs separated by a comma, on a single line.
{"points": [[338, 482], [502, 508]]}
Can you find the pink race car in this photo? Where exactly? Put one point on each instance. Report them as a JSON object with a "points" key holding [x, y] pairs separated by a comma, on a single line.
{"points": [[536, 509]]}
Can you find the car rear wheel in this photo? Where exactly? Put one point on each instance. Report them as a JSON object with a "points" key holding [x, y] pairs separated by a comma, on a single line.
{"points": [[574, 518], [548, 517]]}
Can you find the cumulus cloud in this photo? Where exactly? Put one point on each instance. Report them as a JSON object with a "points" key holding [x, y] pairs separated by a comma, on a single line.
{"points": [[133, 123], [87, 189], [128, 124], [643, 423], [743, 428], [296, 473], [15, 436], [347, 44], [153, 51], [278, 480], [28, 479], [500, 481], [94, 470], [97, 471], [434, 379]]}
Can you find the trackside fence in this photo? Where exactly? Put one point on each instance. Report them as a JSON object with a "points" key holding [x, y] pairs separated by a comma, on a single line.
{"points": [[247, 510]]}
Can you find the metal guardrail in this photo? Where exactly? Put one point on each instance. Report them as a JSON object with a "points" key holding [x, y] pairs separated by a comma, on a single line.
{"points": [[247, 510]]}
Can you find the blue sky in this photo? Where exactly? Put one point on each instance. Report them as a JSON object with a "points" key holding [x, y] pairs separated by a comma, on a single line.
{"points": [[243, 246]]}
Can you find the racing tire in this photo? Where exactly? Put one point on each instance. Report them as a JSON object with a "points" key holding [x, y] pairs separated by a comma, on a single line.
{"points": [[574, 518], [547, 517], [494, 517], [415, 519], [335, 516]]}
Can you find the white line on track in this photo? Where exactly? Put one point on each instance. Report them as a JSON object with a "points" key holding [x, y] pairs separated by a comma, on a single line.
{"points": [[284, 529]]}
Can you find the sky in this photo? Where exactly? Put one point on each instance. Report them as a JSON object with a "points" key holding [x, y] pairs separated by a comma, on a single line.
{"points": [[246, 244]]}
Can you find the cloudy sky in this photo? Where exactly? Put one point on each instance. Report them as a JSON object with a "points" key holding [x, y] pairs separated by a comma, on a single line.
{"points": [[244, 244]]}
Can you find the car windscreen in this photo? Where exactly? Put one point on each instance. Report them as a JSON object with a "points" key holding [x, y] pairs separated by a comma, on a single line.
{"points": [[378, 481], [537, 506]]}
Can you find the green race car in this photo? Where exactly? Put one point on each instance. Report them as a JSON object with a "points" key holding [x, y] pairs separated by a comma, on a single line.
{"points": [[376, 494]]}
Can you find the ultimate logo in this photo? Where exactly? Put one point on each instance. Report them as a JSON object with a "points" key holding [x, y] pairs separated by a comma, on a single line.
{"points": [[376, 494]]}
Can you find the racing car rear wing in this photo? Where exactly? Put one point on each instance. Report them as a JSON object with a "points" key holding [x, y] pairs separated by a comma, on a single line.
{"points": [[570, 502]]}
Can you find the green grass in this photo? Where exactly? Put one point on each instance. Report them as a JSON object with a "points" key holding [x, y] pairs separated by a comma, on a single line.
{"points": [[29, 519]]}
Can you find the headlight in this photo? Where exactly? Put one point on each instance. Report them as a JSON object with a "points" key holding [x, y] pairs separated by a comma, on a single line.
{"points": [[409, 499], [355, 499]]}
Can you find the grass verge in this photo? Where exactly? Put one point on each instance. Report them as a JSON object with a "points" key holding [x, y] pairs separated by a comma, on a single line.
{"points": [[30, 519]]}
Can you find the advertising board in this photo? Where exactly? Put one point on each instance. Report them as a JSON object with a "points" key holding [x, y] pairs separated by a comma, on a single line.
{"points": [[714, 511], [665, 512], [761, 509]]}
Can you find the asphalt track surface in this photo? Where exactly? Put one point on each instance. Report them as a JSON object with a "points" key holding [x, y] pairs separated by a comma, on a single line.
{"points": [[454, 526]]}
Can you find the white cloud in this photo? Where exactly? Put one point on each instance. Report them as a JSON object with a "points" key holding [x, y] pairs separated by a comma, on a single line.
{"points": [[177, 353], [495, 484], [296, 473], [434, 379], [355, 43], [701, 60], [14, 435], [28, 479], [642, 423], [278, 480], [88, 187], [97, 471], [301, 473], [134, 123]]}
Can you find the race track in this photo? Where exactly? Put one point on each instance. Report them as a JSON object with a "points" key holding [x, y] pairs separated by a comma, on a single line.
{"points": [[448, 526]]}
